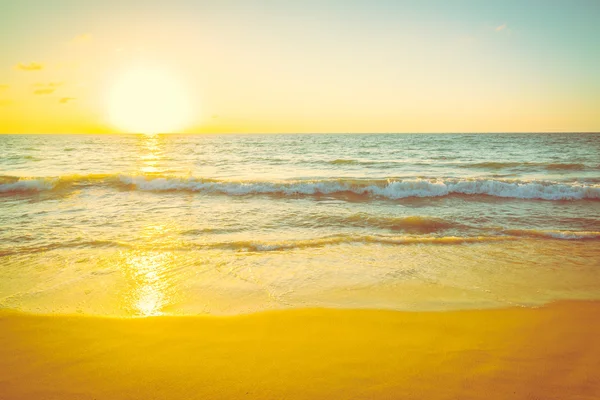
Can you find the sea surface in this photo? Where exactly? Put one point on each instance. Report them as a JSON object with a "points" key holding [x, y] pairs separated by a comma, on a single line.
{"points": [[137, 225]]}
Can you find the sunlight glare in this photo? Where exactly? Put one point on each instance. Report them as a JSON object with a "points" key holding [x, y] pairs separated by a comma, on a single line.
{"points": [[147, 100]]}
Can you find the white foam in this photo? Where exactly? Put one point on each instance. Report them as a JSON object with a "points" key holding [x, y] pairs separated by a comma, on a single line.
{"points": [[32, 185], [556, 234], [388, 189], [568, 235]]}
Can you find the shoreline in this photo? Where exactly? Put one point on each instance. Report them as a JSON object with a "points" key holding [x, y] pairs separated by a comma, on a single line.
{"points": [[550, 352]]}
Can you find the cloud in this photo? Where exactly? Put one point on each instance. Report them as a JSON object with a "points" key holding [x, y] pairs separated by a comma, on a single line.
{"points": [[44, 91], [65, 100], [83, 38], [4, 87], [5, 103], [46, 88], [29, 67], [48, 85], [501, 28]]}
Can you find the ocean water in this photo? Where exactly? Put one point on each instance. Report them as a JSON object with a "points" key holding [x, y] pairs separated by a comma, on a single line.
{"points": [[134, 225]]}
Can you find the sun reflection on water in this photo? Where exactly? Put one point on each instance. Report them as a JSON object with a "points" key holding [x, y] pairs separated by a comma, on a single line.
{"points": [[148, 267], [151, 154], [148, 293]]}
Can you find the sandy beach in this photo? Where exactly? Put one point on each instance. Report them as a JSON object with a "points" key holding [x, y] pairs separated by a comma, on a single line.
{"points": [[518, 353]]}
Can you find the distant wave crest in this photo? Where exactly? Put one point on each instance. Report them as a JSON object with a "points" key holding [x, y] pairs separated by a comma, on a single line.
{"points": [[539, 165]]}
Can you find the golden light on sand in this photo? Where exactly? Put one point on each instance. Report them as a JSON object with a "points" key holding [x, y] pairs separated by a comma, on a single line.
{"points": [[147, 100]]}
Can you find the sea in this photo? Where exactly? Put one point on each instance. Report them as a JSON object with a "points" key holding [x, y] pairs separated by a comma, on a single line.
{"points": [[143, 225]]}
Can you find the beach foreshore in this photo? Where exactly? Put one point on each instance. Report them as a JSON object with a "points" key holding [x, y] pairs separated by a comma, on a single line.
{"points": [[552, 352]]}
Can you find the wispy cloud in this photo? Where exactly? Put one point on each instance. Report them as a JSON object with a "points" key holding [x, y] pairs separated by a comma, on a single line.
{"points": [[44, 91], [46, 88], [83, 38], [66, 100], [48, 85], [29, 67], [501, 28]]}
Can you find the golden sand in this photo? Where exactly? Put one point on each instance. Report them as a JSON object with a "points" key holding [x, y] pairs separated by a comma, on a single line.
{"points": [[547, 353]]}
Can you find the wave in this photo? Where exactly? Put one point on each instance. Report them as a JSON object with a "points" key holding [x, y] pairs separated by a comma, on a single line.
{"points": [[409, 224], [515, 164], [367, 163], [291, 244], [554, 234], [503, 235], [30, 185], [392, 189], [342, 161], [412, 224], [566, 166], [259, 246], [14, 184], [69, 244], [493, 165]]}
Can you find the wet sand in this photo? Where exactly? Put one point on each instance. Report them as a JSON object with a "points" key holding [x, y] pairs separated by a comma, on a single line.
{"points": [[551, 352]]}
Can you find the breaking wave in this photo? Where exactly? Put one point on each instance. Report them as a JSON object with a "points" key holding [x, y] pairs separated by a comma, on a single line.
{"points": [[29, 185], [390, 189], [383, 188]]}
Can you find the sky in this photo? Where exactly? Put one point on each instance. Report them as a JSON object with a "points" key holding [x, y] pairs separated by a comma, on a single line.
{"points": [[304, 66]]}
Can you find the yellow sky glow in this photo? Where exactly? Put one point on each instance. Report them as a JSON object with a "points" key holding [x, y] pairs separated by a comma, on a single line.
{"points": [[293, 69]]}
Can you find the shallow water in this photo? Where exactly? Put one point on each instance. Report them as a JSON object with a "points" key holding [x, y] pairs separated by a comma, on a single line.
{"points": [[184, 224]]}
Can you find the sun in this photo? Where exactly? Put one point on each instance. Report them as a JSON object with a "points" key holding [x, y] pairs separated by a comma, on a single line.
{"points": [[148, 100]]}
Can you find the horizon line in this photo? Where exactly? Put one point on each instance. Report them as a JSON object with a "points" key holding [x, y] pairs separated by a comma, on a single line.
{"points": [[305, 133]]}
